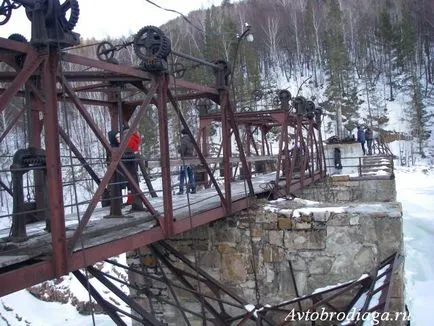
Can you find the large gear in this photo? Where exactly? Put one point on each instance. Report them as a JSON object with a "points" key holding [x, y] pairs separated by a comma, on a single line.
{"points": [[5, 11], [151, 45], [68, 23]]}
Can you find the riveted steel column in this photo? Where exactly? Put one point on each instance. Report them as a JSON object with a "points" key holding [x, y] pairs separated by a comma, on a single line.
{"points": [[55, 192], [227, 148], [167, 223]]}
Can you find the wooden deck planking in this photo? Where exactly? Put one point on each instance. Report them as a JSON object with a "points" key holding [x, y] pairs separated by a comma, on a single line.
{"points": [[102, 230]]}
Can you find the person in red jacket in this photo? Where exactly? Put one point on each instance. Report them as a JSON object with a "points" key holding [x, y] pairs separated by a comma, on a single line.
{"points": [[130, 159]]}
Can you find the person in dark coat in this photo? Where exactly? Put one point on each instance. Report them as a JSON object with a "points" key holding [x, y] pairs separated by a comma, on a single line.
{"points": [[130, 159], [361, 138], [186, 149], [369, 135]]}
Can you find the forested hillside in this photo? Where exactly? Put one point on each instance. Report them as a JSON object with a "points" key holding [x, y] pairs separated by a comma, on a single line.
{"points": [[363, 61], [361, 58]]}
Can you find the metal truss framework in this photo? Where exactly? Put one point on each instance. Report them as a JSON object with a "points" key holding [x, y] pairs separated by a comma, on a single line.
{"points": [[216, 304], [38, 76]]}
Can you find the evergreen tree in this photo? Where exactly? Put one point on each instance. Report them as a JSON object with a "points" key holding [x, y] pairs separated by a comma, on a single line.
{"points": [[407, 41], [419, 117], [342, 101], [388, 39]]}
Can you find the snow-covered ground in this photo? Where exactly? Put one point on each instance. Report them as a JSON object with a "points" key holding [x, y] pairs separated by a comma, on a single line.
{"points": [[415, 187]]}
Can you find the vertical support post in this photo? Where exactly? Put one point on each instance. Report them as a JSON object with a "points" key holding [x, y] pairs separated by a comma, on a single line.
{"points": [[35, 130], [263, 135], [227, 148], [115, 188], [204, 136], [248, 151], [167, 225], [289, 161], [56, 211]]}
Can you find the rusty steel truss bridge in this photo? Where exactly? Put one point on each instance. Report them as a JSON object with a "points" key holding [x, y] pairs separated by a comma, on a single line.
{"points": [[42, 77]]}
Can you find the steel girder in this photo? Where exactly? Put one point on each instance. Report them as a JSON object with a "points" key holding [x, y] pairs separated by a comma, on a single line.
{"points": [[184, 283]]}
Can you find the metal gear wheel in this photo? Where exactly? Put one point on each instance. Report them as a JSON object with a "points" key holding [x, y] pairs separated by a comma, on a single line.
{"points": [[17, 37], [68, 23], [5, 11], [151, 45], [105, 51]]}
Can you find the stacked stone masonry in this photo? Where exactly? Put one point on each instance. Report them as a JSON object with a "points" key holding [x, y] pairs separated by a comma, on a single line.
{"points": [[325, 243]]}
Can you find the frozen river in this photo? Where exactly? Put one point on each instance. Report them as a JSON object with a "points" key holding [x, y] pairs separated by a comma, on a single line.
{"points": [[416, 193]]}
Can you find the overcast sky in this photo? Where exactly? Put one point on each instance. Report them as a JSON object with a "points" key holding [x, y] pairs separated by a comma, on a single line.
{"points": [[103, 18]]}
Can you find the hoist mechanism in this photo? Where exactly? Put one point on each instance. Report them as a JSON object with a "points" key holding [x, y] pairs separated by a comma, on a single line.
{"points": [[52, 20], [153, 47], [150, 44]]}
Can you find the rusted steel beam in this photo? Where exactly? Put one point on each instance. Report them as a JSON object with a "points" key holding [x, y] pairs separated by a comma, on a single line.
{"points": [[227, 148], [189, 57], [92, 87], [208, 216], [30, 65], [242, 155], [26, 276], [199, 153], [167, 220], [130, 71], [55, 209], [12, 47], [163, 257], [115, 161], [108, 307], [179, 83], [184, 97], [63, 98], [106, 66], [146, 318]]}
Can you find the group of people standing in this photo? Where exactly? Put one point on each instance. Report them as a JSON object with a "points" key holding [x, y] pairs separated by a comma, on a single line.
{"points": [[131, 156], [367, 136]]}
